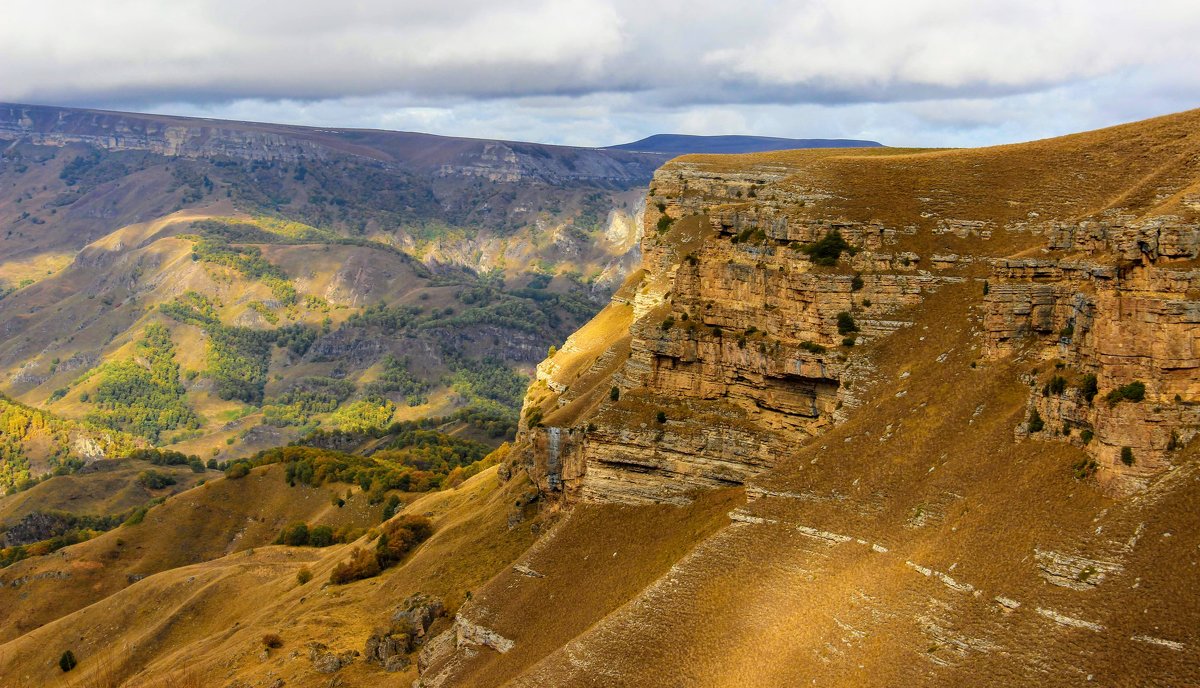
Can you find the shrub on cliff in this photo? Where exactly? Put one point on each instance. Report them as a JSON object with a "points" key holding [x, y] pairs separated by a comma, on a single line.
{"points": [[1088, 387], [828, 249], [846, 323], [1134, 391], [1035, 421], [1127, 456], [1056, 386]]}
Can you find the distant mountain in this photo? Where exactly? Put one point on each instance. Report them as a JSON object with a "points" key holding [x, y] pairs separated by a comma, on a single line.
{"points": [[683, 144]]}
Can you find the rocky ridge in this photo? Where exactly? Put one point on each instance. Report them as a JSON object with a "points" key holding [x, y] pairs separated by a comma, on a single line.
{"points": [[739, 343]]}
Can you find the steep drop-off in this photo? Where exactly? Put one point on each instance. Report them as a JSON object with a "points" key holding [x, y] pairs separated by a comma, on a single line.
{"points": [[957, 389]]}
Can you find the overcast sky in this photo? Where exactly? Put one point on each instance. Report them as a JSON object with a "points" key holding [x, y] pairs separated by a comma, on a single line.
{"points": [[597, 72]]}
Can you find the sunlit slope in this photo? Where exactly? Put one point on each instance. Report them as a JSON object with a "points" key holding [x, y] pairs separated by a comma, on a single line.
{"points": [[205, 622]]}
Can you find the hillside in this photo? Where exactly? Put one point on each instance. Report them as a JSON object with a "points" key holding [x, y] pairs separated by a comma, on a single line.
{"points": [[957, 389], [684, 144], [306, 278], [862, 417]]}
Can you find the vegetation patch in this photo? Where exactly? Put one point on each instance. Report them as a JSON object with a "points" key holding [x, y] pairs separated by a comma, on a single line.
{"points": [[399, 537], [143, 395], [1134, 391], [828, 249]]}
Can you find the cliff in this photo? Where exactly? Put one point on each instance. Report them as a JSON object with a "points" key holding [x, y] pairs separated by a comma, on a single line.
{"points": [[438, 156], [763, 277]]}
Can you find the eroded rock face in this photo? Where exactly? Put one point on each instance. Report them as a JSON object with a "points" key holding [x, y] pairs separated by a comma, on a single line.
{"points": [[737, 345], [1122, 314]]}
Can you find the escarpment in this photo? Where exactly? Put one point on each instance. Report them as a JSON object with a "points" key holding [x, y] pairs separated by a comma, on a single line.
{"points": [[764, 276]]}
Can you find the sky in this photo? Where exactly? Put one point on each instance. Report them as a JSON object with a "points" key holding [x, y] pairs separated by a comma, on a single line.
{"points": [[600, 72]]}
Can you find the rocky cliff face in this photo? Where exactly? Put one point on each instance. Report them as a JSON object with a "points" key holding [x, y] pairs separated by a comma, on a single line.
{"points": [[439, 157], [763, 276], [1119, 319]]}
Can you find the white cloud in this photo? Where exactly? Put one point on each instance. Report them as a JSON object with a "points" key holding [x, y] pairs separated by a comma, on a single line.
{"points": [[598, 71]]}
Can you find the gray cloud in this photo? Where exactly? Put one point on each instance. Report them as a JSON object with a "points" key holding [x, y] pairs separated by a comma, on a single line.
{"points": [[598, 71]]}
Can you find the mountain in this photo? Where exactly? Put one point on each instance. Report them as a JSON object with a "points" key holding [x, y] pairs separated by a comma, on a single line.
{"points": [[859, 417], [222, 287], [683, 144]]}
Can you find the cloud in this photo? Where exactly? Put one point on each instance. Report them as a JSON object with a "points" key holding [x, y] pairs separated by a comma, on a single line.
{"points": [[576, 70]]}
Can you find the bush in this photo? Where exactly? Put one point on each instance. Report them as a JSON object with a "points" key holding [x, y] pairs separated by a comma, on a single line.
{"points": [[848, 341], [1056, 386], [237, 471], [812, 347], [614, 393], [1088, 388], [829, 249], [1127, 456], [320, 536], [362, 565], [67, 661], [846, 324], [295, 535], [399, 537], [304, 575], [272, 640], [154, 480], [661, 417], [1087, 435], [390, 507], [856, 283], [1035, 421], [1134, 391]]}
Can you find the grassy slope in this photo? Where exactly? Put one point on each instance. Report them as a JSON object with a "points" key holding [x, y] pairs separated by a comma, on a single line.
{"points": [[766, 604], [110, 487], [207, 619], [204, 523]]}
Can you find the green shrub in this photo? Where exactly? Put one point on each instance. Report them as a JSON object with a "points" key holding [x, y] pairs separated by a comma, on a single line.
{"points": [[846, 323], [828, 249], [615, 393], [1134, 391], [238, 470], [1087, 435], [661, 417], [856, 283], [67, 661], [304, 575], [812, 347], [1035, 421], [848, 341], [321, 536], [1127, 456], [1056, 386], [154, 480], [1088, 388], [664, 224], [390, 507], [295, 535]]}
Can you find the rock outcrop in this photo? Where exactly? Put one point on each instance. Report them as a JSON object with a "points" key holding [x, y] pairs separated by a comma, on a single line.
{"points": [[761, 273]]}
